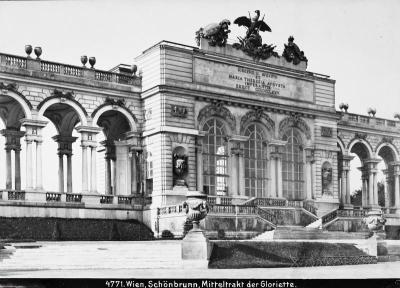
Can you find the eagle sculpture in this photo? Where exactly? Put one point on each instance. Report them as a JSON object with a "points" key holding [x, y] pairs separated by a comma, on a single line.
{"points": [[254, 25]]}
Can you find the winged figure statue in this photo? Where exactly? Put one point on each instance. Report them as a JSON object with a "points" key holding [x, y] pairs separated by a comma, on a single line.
{"points": [[251, 44], [253, 24]]}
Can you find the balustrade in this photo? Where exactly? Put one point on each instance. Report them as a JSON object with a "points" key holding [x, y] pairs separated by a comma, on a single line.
{"points": [[124, 200], [17, 61], [106, 199], [53, 197], [370, 121], [50, 67], [70, 70], [74, 198], [329, 217], [16, 195]]}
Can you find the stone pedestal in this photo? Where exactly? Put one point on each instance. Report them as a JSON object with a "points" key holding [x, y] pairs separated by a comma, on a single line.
{"points": [[195, 246]]}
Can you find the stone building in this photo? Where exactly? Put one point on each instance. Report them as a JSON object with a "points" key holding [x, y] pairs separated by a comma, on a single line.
{"points": [[261, 137]]}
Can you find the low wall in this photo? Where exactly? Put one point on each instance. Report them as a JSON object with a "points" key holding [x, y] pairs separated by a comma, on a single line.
{"points": [[59, 229], [68, 210]]}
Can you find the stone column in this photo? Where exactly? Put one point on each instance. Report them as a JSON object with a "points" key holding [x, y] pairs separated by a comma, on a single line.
{"points": [[272, 165], [134, 173], [364, 179], [39, 179], [84, 169], [29, 167], [233, 173], [241, 186], [279, 176], [199, 167], [60, 173], [93, 177], [346, 159], [343, 188], [17, 169], [376, 187], [370, 187], [8, 169], [69, 173], [386, 184], [309, 186], [396, 186], [108, 176]]}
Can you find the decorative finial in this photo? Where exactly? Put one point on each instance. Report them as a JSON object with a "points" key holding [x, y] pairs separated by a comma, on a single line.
{"points": [[371, 111], [84, 60], [217, 34], [92, 61], [38, 52], [134, 69], [397, 116], [28, 50]]}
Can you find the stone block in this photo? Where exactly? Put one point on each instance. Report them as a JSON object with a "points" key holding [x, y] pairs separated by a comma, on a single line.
{"points": [[195, 246]]}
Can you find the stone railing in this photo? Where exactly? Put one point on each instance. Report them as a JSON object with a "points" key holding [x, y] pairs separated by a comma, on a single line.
{"points": [[68, 70], [219, 200], [16, 195], [367, 120], [329, 217], [75, 198], [309, 207], [53, 197], [135, 201], [352, 213], [106, 199], [174, 209]]}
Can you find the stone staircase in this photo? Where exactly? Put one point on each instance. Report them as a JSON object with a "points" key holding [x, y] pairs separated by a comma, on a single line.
{"points": [[305, 233]]}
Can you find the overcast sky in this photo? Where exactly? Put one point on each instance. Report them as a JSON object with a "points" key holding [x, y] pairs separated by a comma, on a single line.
{"points": [[357, 43]]}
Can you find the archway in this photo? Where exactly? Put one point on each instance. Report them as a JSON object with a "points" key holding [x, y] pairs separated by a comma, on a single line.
{"points": [[12, 110], [115, 124]]}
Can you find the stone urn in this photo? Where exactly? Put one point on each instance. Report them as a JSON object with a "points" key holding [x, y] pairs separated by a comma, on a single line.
{"points": [[195, 246], [92, 62], [84, 60], [374, 221], [28, 50], [196, 208], [38, 52]]}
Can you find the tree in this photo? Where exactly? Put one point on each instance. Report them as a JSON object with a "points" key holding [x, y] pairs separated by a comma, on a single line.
{"points": [[356, 197]]}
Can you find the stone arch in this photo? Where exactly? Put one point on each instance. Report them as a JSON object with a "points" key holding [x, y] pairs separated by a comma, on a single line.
{"points": [[10, 91], [361, 147], [341, 145], [294, 121], [257, 117], [108, 107], [217, 110], [79, 109], [387, 151]]}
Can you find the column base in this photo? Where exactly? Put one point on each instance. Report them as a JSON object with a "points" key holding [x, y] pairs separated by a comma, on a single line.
{"points": [[195, 246], [374, 206], [348, 206], [395, 209]]}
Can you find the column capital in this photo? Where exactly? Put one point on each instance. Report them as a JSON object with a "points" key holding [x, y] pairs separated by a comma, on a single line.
{"points": [[64, 143], [276, 155], [237, 151]]}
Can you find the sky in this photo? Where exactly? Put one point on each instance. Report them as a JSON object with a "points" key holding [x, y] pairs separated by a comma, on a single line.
{"points": [[356, 42]]}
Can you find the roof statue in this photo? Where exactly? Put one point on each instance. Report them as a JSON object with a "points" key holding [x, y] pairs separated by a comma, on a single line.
{"points": [[216, 33], [251, 44], [292, 52]]}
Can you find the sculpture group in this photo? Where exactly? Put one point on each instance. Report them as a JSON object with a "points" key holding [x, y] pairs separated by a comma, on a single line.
{"points": [[251, 43]]}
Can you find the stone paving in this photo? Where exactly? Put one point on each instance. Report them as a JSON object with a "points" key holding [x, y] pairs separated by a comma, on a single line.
{"points": [[151, 259]]}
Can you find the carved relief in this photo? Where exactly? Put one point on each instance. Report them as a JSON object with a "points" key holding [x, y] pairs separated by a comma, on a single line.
{"points": [[294, 120], [67, 95], [326, 174], [179, 111], [257, 115], [180, 165], [326, 131], [217, 109], [359, 135], [115, 102]]}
